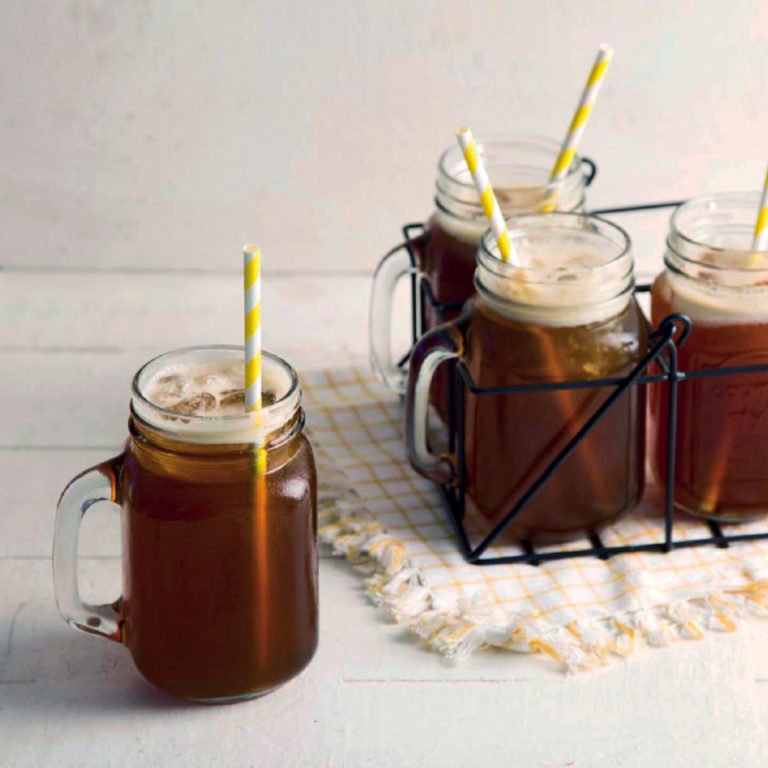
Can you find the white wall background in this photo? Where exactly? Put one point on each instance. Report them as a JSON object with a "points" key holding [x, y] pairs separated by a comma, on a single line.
{"points": [[141, 134]]}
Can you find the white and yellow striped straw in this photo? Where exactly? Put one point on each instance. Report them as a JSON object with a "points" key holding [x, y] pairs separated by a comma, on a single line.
{"points": [[487, 197], [252, 306], [583, 111], [760, 237]]}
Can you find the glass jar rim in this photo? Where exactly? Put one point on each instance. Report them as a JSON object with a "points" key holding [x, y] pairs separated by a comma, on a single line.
{"points": [[559, 293], [266, 410], [525, 222], [747, 200], [520, 168], [453, 155]]}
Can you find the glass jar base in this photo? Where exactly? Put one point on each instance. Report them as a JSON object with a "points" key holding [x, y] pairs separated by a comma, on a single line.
{"points": [[234, 699], [723, 517], [549, 537]]}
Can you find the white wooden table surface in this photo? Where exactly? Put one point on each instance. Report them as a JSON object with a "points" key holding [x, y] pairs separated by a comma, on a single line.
{"points": [[69, 341]]}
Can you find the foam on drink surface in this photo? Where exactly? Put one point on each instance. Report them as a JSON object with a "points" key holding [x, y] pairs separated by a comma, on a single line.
{"points": [[198, 395], [511, 199], [706, 300], [562, 280], [214, 391]]}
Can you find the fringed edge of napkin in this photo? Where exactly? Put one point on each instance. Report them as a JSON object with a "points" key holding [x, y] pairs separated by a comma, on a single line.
{"points": [[395, 584]]}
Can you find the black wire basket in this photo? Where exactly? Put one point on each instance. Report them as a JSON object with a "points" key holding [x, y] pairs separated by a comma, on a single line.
{"points": [[664, 342]]}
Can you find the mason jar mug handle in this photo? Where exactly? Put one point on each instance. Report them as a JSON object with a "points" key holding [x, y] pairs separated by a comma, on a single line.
{"points": [[99, 483], [436, 347], [393, 267]]}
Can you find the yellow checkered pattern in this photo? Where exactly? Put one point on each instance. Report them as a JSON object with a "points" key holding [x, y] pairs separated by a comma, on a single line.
{"points": [[584, 607]]}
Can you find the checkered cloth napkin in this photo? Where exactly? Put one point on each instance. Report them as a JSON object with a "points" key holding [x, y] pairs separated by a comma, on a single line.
{"points": [[391, 522]]}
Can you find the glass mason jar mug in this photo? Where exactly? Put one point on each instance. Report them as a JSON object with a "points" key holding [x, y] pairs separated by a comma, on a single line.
{"points": [[219, 595], [567, 313], [713, 277], [445, 251]]}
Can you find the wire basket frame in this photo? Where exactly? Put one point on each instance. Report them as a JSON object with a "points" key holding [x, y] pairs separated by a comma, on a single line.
{"points": [[664, 342]]}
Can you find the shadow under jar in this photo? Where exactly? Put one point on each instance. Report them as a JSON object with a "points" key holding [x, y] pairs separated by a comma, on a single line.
{"points": [[711, 275], [446, 250], [566, 314], [219, 560]]}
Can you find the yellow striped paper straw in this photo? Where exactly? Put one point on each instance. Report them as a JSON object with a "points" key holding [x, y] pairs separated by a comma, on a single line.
{"points": [[487, 197], [583, 111], [252, 307], [760, 237]]}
